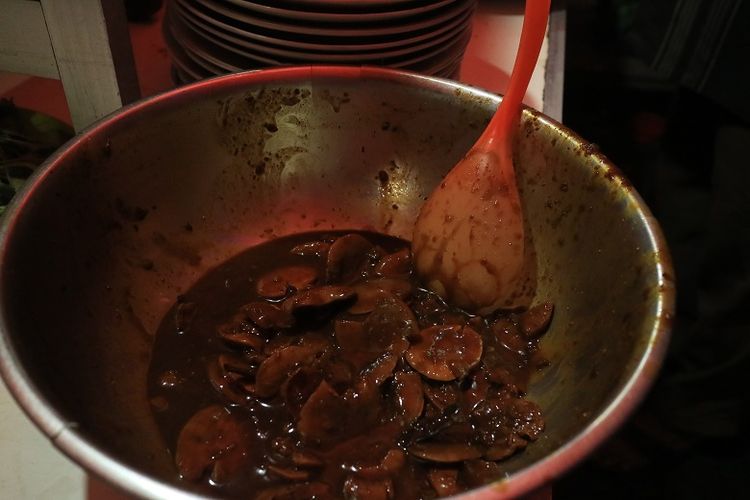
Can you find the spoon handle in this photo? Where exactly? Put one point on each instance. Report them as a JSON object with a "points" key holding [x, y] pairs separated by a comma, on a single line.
{"points": [[532, 37]]}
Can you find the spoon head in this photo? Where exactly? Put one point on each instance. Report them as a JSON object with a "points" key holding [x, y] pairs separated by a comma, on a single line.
{"points": [[469, 241]]}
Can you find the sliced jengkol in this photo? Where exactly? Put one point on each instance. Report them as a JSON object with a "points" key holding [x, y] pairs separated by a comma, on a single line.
{"points": [[441, 452], [477, 387], [368, 297], [306, 459], [382, 368], [370, 293], [350, 334], [535, 321], [509, 335], [233, 377], [365, 489], [268, 316], [407, 387], [314, 248], [347, 258], [395, 265], [320, 419], [390, 320], [504, 448], [277, 367], [319, 303], [213, 443], [440, 395], [380, 381], [391, 463], [290, 473], [381, 334], [505, 425], [299, 386], [445, 352], [241, 333], [444, 481]]}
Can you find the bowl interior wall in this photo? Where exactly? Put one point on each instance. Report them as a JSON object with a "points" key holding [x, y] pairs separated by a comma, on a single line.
{"points": [[137, 212]]}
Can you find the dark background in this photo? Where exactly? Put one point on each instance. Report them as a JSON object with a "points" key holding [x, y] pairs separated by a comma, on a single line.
{"points": [[679, 130]]}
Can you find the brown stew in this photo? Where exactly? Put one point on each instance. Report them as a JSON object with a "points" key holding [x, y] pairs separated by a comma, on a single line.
{"points": [[314, 366]]}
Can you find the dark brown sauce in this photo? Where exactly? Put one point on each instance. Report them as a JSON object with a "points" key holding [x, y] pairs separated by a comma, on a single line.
{"points": [[343, 380]]}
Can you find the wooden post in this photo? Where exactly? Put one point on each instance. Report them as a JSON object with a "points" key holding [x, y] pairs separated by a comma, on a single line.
{"points": [[25, 46], [94, 57]]}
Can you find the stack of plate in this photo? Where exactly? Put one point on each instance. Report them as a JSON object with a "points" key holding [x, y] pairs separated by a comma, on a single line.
{"points": [[213, 37]]}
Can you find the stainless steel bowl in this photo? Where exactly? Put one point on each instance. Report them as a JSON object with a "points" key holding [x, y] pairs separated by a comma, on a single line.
{"points": [[131, 212]]}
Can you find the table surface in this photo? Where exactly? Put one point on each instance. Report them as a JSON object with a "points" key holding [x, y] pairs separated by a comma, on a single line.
{"points": [[32, 467]]}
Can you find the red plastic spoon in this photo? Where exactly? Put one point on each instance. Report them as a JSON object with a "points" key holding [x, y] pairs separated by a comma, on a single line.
{"points": [[469, 239]]}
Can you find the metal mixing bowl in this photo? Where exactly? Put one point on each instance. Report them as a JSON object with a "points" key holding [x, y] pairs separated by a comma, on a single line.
{"points": [[130, 213]]}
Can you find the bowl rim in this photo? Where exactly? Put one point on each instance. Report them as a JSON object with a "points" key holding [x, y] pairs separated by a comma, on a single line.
{"points": [[64, 434]]}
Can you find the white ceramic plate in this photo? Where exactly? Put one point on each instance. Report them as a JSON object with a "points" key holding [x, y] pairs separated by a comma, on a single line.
{"points": [[184, 65], [318, 12], [244, 19], [323, 44], [209, 30], [231, 57]]}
